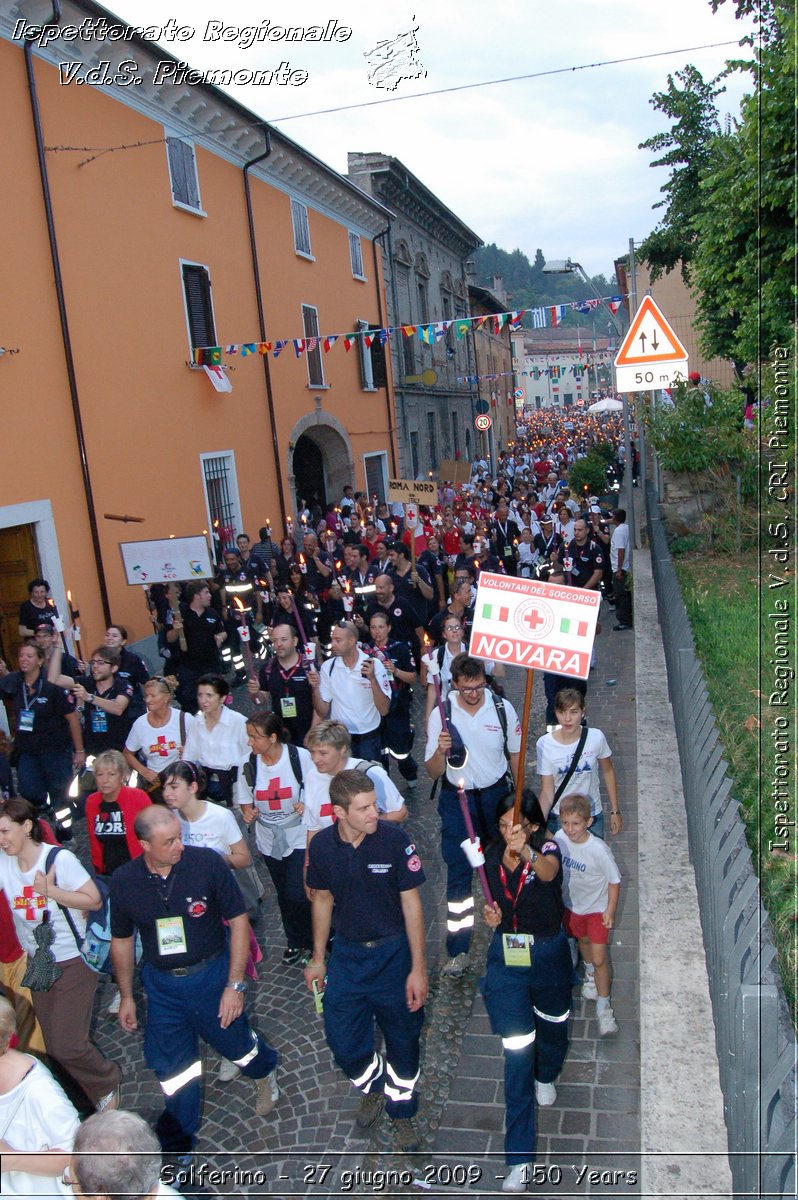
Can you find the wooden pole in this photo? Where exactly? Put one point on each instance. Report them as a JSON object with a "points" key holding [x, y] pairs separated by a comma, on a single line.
{"points": [[519, 783]]}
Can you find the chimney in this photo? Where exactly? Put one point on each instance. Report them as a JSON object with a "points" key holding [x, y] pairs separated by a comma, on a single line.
{"points": [[470, 271], [498, 289]]}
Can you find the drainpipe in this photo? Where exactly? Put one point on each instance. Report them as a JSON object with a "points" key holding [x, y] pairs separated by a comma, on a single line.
{"points": [[261, 320], [62, 316], [386, 232]]}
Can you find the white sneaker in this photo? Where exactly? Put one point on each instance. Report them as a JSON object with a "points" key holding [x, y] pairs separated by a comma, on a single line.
{"points": [[589, 989], [545, 1093], [455, 967], [517, 1178], [606, 1022], [227, 1071], [116, 1000]]}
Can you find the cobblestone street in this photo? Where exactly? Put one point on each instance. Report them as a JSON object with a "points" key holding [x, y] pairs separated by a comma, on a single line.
{"points": [[309, 1146]]}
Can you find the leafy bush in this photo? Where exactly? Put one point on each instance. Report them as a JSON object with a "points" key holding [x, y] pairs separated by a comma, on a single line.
{"points": [[588, 476]]}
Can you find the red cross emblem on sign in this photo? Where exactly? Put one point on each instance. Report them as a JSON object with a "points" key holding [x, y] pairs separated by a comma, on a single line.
{"points": [[30, 901], [534, 619], [274, 795]]}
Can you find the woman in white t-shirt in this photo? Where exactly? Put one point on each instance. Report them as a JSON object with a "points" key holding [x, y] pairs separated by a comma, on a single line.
{"points": [[453, 645], [158, 735], [275, 785], [555, 752], [203, 824], [64, 1010], [37, 1122]]}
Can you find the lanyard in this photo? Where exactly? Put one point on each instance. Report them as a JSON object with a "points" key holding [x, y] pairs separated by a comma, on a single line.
{"points": [[287, 678], [160, 883], [28, 704], [507, 894]]}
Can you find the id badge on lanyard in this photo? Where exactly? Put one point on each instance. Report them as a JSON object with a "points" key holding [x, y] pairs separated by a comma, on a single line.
{"points": [[171, 935], [99, 720], [25, 723]]}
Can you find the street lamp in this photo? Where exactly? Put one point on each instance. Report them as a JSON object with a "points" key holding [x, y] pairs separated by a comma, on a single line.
{"points": [[564, 266]]}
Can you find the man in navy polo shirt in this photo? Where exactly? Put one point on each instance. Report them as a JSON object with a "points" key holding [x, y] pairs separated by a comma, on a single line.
{"points": [[178, 899], [367, 873]]}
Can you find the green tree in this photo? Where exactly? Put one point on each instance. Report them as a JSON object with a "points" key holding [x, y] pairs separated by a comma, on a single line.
{"points": [[690, 103]]}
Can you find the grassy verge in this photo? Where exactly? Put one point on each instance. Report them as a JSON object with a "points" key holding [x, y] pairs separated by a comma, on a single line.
{"points": [[722, 596]]}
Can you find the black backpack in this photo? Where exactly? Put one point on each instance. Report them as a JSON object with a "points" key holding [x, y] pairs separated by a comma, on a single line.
{"points": [[251, 768]]}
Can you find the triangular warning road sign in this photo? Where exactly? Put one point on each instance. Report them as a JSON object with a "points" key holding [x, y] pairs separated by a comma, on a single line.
{"points": [[650, 339]]}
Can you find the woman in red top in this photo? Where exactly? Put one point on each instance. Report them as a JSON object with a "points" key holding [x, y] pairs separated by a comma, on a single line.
{"points": [[110, 814]]}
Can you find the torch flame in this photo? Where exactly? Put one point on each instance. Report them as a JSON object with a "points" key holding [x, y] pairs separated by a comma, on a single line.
{"points": [[238, 604]]}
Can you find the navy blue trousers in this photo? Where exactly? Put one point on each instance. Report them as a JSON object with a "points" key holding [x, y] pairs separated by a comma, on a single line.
{"points": [[180, 1011], [459, 899], [367, 985], [529, 1009]]}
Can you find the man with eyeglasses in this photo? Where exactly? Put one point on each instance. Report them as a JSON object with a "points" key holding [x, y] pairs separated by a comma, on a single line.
{"points": [[105, 699], [484, 735]]}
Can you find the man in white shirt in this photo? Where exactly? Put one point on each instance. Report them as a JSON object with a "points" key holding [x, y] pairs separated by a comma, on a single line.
{"points": [[487, 728], [620, 562], [352, 688]]}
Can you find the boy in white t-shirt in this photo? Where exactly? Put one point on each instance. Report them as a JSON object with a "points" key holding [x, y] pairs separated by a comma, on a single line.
{"points": [[591, 887]]}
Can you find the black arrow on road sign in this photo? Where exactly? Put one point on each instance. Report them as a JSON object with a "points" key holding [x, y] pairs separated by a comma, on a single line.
{"points": [[643, 343], [654, 342]]}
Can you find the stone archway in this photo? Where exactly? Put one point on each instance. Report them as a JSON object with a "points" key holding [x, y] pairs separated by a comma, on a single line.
{"points": [[321, 461]]}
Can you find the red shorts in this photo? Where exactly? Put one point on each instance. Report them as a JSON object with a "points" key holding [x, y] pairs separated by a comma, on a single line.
{"points": [[589, 925]]}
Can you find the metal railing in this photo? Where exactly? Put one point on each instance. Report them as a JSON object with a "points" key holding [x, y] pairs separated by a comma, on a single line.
{"points": [[754, 1034]]}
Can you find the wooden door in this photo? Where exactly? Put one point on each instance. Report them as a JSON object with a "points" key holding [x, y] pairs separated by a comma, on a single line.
{"points": [[19, 563]]}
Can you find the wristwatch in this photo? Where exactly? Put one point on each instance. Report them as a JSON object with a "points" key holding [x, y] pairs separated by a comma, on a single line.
{"points": [[237, 987]]}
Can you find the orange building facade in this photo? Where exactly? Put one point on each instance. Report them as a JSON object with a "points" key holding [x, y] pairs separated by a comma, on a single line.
{"points": [[128, 244]]}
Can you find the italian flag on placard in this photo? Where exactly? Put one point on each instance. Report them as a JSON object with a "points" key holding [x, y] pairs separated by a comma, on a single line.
{"points": [[570, 625], [493, 612]]}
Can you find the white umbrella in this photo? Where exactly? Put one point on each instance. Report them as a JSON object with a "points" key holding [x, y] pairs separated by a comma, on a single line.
{"points": [[606, 406]]}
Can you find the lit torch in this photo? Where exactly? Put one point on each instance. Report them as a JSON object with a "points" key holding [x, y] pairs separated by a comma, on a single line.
{"points": [[243, 636], [74, 613]]}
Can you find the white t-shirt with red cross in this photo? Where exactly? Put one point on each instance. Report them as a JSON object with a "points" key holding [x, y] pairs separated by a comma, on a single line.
{"points": [[28, 907], [278, 828], [161, 747], [318, 812]]}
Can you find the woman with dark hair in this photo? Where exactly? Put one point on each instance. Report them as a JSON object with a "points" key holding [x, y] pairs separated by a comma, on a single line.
{"points": [[306, 600], [282, 610], [217, 739], [37, 895], [274, 776], [283, 560], [37, 608], [203, 823], [527, 990]]}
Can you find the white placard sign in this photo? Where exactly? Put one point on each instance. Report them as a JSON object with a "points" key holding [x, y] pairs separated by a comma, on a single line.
{"points": [[166, 560], [534, 624]]}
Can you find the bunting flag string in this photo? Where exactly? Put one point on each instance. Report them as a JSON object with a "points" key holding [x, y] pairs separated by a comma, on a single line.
{"points": [[428, 333]]}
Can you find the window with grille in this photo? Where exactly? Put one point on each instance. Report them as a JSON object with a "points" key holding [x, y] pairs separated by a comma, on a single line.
{"points": [[299, 217], [310, 324], [183, 173], [423, 305], [356, 255], [432, 434], [199, 309], [376, 466], [221, 496], [414, 460]]}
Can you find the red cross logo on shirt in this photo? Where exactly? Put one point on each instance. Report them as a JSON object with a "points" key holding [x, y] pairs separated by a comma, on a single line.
{"points": [[30, 901], [534, 619], [160, 747], [274, 795], [326, 810]]}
